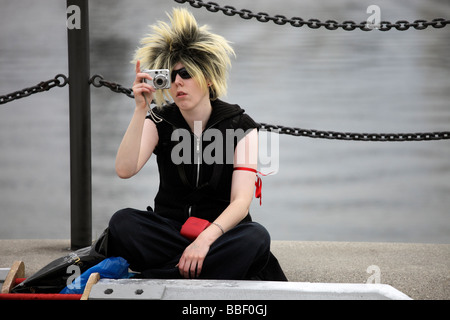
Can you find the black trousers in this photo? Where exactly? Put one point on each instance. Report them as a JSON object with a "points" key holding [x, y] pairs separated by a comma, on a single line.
{"points": [[153, 246]]}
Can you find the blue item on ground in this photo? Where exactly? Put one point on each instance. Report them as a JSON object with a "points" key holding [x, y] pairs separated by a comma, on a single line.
{"points": [[112, 268]]}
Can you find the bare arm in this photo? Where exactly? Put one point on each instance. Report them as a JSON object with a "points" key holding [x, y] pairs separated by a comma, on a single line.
{"points": [[141, 136], [242, 185], [242, 188]]}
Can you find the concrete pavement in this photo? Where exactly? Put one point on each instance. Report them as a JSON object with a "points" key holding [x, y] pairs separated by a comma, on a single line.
{"points": [[420, 271]]}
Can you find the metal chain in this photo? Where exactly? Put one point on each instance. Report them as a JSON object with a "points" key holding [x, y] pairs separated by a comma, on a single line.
{"points": [[380, 137], [98, 81], [59, 80], [299, 132], [401, 25]]}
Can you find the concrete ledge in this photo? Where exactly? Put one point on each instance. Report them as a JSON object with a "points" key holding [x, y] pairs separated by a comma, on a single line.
{"points": [[141, 289], [421, 271]]}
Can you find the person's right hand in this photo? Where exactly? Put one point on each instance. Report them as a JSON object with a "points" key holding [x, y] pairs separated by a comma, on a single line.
{"points": [[141, 88]]}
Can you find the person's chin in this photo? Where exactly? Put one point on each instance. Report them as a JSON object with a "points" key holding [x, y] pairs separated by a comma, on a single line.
{"points": [[183, 103]]}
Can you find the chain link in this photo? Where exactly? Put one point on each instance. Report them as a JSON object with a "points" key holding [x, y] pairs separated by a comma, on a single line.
{"points": [[59, 80], [401, 25]]}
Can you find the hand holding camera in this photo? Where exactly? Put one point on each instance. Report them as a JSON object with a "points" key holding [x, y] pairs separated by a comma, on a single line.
{"points": [[147, 82], [142, 91]]}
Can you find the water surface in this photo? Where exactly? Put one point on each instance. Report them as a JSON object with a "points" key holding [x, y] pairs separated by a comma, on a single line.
{"points": [[319, 79]]}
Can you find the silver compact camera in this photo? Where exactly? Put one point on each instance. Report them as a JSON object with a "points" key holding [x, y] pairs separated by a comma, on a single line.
{"points": [[161, 78]]}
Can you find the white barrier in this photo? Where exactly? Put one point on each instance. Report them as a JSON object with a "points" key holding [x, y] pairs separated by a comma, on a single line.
{"points": [[239, 290]]}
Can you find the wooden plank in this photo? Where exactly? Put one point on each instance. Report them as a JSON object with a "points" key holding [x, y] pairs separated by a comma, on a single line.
{"points": [[93, 279], [17, 271]]}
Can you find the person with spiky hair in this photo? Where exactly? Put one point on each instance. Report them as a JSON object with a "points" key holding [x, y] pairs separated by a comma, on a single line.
{"points": [[155, 243]]}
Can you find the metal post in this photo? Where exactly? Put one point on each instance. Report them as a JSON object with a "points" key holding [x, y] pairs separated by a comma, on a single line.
{"points": [[80, 125]]}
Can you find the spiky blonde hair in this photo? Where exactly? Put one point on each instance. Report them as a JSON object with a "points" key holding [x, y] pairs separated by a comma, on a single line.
{"points": [[206, 56]]}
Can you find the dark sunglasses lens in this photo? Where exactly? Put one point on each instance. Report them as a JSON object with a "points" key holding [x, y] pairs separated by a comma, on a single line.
{"points": [[182, 72]]}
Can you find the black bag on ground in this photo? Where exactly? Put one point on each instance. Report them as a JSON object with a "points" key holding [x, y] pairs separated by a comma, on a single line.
{"points": [[53, 277]]}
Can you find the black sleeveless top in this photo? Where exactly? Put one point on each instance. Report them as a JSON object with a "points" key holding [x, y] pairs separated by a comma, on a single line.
{"points": [[195, 172]]}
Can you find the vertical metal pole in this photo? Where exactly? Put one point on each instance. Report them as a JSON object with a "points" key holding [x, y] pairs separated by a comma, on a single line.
{"points": [[80, 125]]}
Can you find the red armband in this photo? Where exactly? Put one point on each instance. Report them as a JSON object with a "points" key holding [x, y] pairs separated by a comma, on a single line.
{"points": [[258, 182]]}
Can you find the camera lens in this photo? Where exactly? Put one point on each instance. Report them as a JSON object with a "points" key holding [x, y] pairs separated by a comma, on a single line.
{"points": [[160, 81]]}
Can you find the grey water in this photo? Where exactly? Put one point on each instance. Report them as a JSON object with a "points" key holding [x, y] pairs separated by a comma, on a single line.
{"points": [[324, 190]]}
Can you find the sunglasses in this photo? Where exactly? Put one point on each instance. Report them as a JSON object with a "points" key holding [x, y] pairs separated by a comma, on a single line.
{"points": [[182, 72]]}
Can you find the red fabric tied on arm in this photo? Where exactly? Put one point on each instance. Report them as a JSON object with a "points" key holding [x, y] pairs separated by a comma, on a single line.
{"points": [[258, 182]]}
